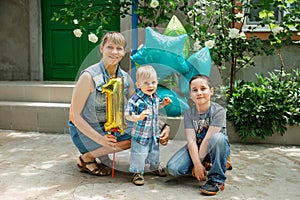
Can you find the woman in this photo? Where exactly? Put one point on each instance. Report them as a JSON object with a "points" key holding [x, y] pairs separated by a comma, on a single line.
{"points": [[88, 108]]}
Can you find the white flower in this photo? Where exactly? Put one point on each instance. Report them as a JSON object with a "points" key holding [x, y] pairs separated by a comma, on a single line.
{"points": [[75, 21], [210, 44], [234, 33], [190, 14], [197, 45], [298, 33], [277, 29], [239, 16], [243, 35], [154, 3], [77, 32], [197, 3], [93, 38]]}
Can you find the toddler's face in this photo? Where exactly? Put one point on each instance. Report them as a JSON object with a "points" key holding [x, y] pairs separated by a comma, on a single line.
{"points": [[149, 85]]}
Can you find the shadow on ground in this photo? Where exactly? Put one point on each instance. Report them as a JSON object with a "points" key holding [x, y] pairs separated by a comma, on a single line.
{"points": [[43, 166]]}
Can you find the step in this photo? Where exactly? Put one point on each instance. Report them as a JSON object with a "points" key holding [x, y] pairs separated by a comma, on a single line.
{"points": [[53, 118], [36, 91], [44, 107], [34, 116]]}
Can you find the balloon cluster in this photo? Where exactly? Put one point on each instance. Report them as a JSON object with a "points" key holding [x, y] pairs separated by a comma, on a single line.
{"points": [[168, 53]]}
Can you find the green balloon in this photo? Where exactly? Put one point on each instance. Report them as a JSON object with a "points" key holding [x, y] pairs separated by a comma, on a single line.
{"points": [[175, 28]]}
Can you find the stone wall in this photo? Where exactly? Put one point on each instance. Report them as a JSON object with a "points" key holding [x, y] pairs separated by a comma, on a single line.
{"points": [[14, 40]]}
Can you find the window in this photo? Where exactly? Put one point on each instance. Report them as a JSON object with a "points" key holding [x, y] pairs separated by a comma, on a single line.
{"points": [[252, 20]]}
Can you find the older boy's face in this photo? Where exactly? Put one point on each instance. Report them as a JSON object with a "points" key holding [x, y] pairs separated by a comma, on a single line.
{"points": [[148, 86], [200, 91]]}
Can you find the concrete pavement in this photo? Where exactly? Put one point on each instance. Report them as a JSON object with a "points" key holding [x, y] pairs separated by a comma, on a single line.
{"points": [[43, 166]]}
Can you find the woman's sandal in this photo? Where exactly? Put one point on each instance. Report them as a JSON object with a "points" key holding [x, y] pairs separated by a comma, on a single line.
{"points": [[99, 171]]}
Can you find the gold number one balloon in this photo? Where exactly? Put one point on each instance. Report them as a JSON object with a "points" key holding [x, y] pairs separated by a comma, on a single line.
{"points": [[114, 105]]}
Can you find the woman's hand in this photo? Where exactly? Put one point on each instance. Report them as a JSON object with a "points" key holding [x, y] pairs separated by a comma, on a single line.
{"points": [[109, 141], [199, 172]]}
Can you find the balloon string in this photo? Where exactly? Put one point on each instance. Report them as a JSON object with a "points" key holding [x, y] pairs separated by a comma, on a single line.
{"points": [[113, 165], [113, 132]]}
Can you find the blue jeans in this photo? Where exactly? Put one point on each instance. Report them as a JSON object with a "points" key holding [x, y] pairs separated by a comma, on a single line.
{"points": [[85, 144], [181, 164], [142, 154]]}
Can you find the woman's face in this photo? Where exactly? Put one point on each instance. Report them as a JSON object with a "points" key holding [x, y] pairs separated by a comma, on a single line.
{"points": [[200, 92], [112, 53]]}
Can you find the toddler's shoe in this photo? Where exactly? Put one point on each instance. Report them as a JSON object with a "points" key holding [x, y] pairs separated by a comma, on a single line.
{"points": [[138, 179], [161, 171]]}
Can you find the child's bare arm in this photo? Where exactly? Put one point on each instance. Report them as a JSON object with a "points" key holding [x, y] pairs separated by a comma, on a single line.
{"points": [[136, 118], [166, 101]]}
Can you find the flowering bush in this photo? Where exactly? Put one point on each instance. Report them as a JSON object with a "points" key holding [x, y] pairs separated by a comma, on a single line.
{"points": [[151, 13], [216, 24], [222, 21]]}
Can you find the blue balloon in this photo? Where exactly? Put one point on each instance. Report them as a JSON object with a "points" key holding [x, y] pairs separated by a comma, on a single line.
{"points": [[164, 62], [199, 63], [164, 53], [174, 44], [178, 106]]}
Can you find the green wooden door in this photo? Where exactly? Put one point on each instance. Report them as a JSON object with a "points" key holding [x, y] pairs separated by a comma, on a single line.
{"points": [[63, 53]]}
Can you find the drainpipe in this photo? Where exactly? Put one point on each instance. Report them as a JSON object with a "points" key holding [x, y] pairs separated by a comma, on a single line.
{"points": [[134, 35]]}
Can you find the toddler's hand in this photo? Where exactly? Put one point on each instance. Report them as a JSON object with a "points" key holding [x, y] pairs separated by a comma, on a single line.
{"points": [[144, 114], [167, 101]]}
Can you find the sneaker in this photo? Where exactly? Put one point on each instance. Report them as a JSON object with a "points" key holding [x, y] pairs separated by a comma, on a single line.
{"points": [[228, 164], [138, 179], [212, 188], [161, 171], [207, 166]]}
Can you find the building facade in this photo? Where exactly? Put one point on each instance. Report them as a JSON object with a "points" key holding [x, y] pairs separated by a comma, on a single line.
{"points": [[33, 50]]}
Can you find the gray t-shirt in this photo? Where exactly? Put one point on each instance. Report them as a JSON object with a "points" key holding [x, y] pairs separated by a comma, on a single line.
{"points": [[214, 116]]}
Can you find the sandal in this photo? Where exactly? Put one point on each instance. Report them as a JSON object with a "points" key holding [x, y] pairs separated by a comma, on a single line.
{"points": [[104, 168], [99, 171], [161, 171], [138, 179]]}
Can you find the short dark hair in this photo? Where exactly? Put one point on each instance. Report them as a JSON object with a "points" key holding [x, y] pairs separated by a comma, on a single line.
{"points": [[201, 76]]}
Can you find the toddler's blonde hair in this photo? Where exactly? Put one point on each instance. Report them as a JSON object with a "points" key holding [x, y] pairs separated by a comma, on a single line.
{"points": [[145, 72]]}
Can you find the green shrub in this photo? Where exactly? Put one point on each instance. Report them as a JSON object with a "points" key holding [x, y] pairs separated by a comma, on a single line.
{"points": [[258, 109]]}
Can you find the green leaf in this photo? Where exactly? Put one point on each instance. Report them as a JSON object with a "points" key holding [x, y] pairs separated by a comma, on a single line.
{"points": [[266, 14]]}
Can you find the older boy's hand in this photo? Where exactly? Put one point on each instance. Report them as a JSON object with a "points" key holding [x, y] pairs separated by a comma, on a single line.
{"points": [[199, 172]]}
